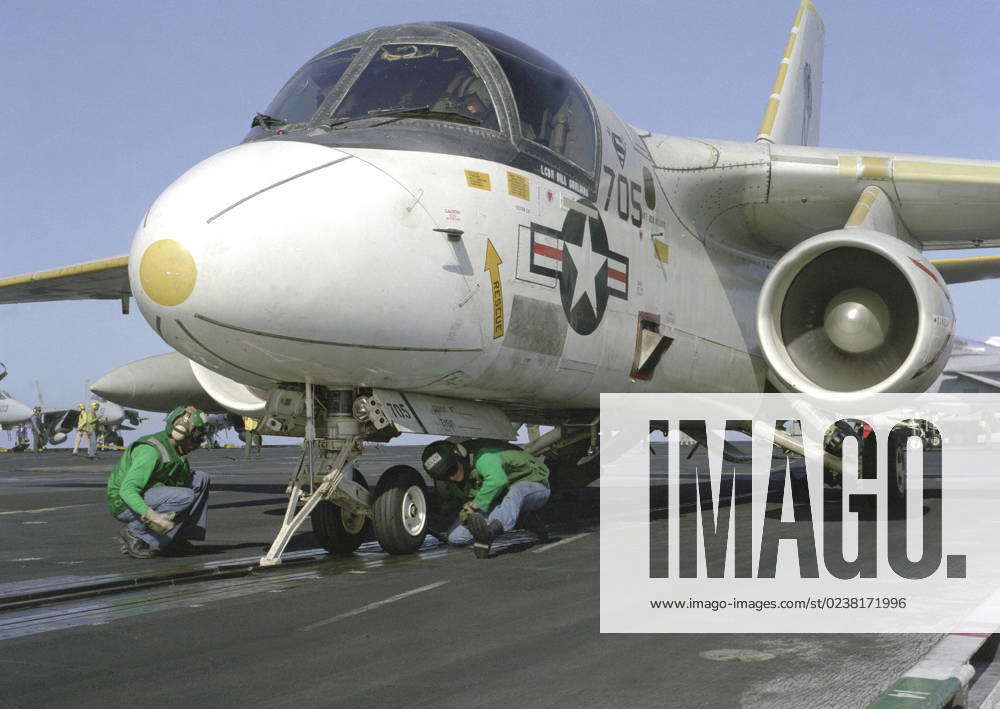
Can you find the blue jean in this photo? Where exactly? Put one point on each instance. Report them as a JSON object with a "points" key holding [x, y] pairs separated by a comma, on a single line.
{"points": [[521, 497], [189, 503]]}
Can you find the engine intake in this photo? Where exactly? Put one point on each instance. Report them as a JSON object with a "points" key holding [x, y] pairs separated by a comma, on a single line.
{"points": [[854, 312]]}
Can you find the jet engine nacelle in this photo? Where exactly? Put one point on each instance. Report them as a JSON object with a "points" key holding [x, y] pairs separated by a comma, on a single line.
{"points": [[854, 312]]}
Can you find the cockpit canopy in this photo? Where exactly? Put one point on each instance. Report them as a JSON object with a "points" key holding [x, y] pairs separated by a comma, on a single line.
{"points": [[304, 94], [553, 110], [441, 72]]}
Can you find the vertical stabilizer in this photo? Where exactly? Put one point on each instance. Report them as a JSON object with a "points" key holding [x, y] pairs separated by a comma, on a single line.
{"points": [[792, 115]]}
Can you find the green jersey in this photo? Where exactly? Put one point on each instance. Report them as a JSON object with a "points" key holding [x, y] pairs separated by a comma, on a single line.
{"points": [[496, 466], [151, 461]]}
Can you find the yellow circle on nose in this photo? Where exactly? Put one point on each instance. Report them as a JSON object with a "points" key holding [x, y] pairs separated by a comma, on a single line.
{"points": [[167, 272]]}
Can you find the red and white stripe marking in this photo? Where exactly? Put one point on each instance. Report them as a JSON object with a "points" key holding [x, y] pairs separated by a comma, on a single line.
{"points": [[548, 252]]}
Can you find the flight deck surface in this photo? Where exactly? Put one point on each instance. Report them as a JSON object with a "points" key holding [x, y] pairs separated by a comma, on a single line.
{"points": [[437, 628]]}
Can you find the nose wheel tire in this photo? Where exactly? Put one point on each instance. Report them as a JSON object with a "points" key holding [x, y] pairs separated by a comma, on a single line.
{"points": [[338, 530], [897, 473], [400, 510]]}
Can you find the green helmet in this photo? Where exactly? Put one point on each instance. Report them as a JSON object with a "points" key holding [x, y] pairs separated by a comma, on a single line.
{"points": [[441, 459], [186, 422]]}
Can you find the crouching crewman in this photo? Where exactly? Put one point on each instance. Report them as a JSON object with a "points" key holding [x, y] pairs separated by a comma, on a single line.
{"points": [[154, 492], [493, 485]]}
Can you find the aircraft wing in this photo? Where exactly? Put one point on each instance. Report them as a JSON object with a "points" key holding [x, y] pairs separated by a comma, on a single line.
{"points": [[106, 279], [940, 203], [766, 197], [53, 417], [987, 382], [963, 270]]}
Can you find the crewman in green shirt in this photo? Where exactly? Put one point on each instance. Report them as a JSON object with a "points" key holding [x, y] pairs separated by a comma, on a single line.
{"points": [[153, 490], [493, 486]]}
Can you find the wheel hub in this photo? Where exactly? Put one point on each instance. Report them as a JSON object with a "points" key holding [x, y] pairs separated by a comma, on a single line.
{"points": [[414, 510]]}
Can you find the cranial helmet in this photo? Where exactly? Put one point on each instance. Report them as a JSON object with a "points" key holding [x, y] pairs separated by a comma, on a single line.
{"points": [[95, 404], [474, 86], [80, 406], [186, 422], [441, 458]]}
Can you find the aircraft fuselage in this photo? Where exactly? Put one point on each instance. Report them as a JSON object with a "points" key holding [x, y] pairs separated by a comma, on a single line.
{"points": [[471, 269]]}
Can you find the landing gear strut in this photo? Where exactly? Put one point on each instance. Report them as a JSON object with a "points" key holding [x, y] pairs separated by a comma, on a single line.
{"points": [[326, 487]]}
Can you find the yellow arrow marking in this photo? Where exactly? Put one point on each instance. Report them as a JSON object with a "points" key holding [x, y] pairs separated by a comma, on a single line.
{"points": [[493, 262]]}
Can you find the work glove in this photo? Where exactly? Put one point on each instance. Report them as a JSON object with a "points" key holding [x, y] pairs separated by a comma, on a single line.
{"points": [[158, 521], [467, 509]]}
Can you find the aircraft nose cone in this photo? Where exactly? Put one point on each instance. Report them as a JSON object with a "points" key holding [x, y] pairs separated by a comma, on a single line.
{"points": [[15, 411], [167, 272], [279, 260], [178, 230]]}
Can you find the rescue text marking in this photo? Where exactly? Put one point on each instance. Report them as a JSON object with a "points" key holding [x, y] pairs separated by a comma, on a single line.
{"points": [[493, 262]]}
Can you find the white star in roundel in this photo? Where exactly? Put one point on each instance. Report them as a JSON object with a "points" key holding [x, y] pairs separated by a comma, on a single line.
{"points": [[588, 263]]}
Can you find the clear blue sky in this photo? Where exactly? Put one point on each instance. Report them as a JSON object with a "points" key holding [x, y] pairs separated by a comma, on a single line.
{"points": [[106, 103]]}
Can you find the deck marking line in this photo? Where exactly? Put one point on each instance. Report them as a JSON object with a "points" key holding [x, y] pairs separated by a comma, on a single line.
{"points": [[373, 606], [567, 540], [43, 509]]}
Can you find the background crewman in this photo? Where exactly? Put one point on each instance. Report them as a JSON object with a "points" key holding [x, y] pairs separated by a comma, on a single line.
{"points": [[154, 491], [494, 487], [37, 429], [86, 428], [250, 436]]}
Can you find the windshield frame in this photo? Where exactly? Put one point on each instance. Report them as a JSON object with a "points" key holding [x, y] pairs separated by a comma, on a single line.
{"points": [[260, 130], [484, 37], [520, 152], [492, 76]]}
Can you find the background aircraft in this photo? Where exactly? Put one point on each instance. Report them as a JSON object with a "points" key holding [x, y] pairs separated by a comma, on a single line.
{"points": [[748, 203], [12, 411], [974, 367], [56, 424]]}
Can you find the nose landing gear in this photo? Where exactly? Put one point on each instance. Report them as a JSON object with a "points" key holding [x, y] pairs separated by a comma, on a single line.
{"points": [[337, 499]]}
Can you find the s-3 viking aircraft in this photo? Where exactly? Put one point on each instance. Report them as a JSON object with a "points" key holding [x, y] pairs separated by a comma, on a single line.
{"points": [[434, 228]]}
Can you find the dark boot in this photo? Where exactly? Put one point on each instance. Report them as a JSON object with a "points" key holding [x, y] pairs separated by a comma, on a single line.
{"points": [[483, 534], [532, 521], [135, 547]]}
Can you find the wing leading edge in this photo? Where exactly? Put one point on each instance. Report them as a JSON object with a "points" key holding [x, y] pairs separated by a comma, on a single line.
{"points": [[104, 279], [966, 269]]}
